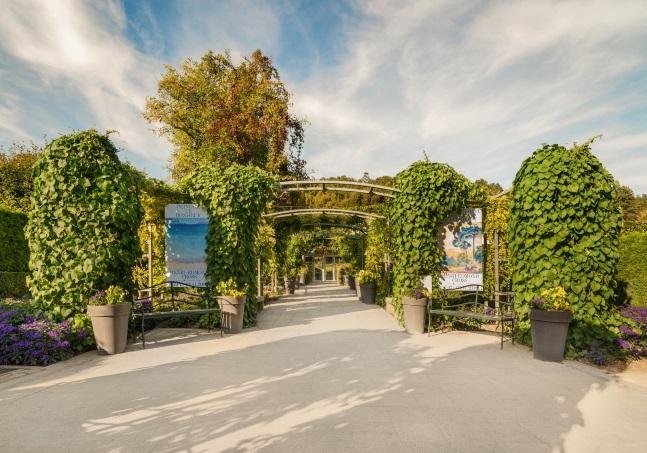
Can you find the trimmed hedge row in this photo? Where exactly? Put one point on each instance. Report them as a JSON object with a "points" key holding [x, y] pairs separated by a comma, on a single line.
{"points": [[14, 253], [632, 268]]}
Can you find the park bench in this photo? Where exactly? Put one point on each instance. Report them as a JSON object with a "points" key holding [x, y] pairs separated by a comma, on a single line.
{"points": [[469, 302], [172, 299]]}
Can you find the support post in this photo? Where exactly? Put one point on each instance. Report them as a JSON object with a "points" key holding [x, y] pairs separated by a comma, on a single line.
{"points": [[496, 269], [259, 283], [149, 227]]}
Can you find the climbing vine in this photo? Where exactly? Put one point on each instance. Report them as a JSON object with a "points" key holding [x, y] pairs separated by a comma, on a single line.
{"points": [[82, 228], [495, 223], [235, 197], [564, 227], [429, 193]]}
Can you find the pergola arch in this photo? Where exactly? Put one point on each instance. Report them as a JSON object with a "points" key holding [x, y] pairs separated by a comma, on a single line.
{"points": [[323, 185], [322, 211]]}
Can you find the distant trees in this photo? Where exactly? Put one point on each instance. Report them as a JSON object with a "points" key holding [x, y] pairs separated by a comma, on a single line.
{"points": [[16, 181], [214, 111]]}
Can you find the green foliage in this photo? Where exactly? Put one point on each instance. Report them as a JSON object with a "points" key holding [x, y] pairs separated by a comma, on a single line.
{"points": [[235, 197], [231, 288], [564, 226], [297, 245], [113, 295], [16, 181], [216, 112], [495, 222], [366, 276], [429, 193], [553, 299], [155, 195], [14, 253], [632, 268], [82, 228]]}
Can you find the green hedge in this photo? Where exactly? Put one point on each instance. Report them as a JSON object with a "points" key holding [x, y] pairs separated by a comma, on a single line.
{"points": [[14, 254], [632, 268]]}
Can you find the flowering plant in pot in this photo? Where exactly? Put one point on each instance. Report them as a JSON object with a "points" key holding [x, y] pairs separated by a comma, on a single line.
{"points": [[550, 316], [414, 303], [368, 285], [109, 312], [232, 300]]}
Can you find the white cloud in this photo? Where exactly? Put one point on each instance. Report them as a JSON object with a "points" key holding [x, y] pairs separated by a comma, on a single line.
{"points": [[477, 85]]}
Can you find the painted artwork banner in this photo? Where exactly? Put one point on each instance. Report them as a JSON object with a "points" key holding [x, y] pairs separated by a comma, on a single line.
{"points": [[186, 243], [462, 241]]}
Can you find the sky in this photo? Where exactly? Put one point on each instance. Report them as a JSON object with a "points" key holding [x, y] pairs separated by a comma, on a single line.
{"points": [[477, 85]]}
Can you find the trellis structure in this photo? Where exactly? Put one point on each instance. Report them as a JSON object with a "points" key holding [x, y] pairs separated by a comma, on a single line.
{"points": [[324, 185]]}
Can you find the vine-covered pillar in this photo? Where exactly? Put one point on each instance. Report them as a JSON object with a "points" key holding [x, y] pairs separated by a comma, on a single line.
{"points": [[429, 193], [235, 198], [83, 223], [564, 227]]}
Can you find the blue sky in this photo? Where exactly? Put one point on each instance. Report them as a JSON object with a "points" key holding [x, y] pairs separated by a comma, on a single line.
{"points": [[478, 85]]}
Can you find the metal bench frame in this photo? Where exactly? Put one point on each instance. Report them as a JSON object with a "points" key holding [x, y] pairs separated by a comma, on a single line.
{"points": [[470, 303], [170, 299]]}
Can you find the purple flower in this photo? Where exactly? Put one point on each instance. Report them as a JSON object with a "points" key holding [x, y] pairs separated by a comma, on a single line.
{"points": [[623, 344], [538, 303], [628, 332]]}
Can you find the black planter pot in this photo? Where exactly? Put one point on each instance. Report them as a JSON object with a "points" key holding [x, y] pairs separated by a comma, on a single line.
{"points": [[549, 330], [369, 292], [351, 282], [290, 285]]}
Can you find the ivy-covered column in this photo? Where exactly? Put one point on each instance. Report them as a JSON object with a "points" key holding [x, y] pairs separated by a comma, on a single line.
{"points": [[429, 193], [563, 231], [235, 198], [82, 228]]}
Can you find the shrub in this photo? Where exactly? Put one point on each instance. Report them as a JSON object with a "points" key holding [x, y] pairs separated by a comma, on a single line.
{"points": [[632, 268], [235, 197], [14, 253], [563, 230], [82, 228], [28, 338]]}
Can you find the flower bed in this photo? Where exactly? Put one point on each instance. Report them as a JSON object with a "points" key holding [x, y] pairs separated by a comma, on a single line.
{"points": [[28, 338]]}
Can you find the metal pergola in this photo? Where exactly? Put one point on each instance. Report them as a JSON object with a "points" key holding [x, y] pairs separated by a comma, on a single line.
{"points": [[323, 185]]}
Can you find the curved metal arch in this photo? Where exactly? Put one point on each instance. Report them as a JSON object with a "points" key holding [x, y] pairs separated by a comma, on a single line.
{"points": [[319, 211], [323, 185], [348, 226]]}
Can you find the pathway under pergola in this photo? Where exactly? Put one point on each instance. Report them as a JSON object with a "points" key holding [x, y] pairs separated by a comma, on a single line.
{"points": [[322, 372]]}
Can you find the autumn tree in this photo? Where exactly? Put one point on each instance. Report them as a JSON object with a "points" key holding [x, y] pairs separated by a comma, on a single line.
{"points": [[214, 111]]}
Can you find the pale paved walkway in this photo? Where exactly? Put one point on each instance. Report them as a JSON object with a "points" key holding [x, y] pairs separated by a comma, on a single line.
{"points": [[322, 373]]}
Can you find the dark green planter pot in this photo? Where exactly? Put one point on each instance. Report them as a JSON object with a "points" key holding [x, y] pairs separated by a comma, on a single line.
{"points": [[415, 311], [549, 330], [351, 282], [110, 326], [290, 285], [369, 292]]}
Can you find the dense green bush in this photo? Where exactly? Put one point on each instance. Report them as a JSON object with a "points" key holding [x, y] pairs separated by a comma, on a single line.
{"points": [[429, 193], [632, 268], [564, 226], [14, 253], [82, 228], [235, 197]]}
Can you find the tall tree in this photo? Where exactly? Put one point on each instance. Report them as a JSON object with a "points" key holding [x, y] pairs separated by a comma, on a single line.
{"points": [[214, 111]]}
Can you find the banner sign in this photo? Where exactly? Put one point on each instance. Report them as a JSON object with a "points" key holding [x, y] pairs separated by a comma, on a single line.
{"points": [[186, 242], [462, 242]]}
